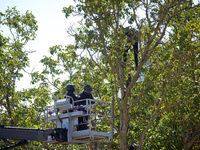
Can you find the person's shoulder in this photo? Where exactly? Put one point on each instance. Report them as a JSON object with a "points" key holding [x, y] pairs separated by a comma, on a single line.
{"points": [[73, 94], [91, 96], [70, 94], [80, 95]]}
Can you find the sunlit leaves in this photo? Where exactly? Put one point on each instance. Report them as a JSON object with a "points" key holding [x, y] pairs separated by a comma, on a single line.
{"points": [[21, 25], [13, 60], [169, 39], [68, 11]]}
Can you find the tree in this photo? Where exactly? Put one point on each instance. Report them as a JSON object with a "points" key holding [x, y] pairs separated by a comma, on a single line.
{"points": [[153, 113], [22, 108], [14, 58], [186, 29], [103, 33], [78, 69]]}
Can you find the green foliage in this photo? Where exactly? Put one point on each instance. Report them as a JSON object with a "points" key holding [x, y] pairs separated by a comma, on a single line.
{"points": [[170, 80], [13, 104], [19, 108], [159, 113], [68, 11]]}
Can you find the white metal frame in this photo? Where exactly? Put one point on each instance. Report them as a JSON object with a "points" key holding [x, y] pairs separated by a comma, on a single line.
{"points": [[69, 120]]}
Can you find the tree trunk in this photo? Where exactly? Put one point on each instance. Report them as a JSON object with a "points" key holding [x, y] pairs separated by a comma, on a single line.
{"points": [[123, 125]]}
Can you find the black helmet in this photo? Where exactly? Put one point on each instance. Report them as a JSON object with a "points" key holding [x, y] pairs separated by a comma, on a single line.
{"points": [[88, 88], [70, 88]]}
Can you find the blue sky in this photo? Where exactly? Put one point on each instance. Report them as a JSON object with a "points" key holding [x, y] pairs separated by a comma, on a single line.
{"points": [[51, 31]]}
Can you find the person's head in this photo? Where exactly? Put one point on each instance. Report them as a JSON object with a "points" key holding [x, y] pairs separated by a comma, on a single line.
{"points": [[87, 88], [132, 34], [70, 88]]}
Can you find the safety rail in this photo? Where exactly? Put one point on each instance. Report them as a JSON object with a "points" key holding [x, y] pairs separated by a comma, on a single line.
{"points": [[84, 119]]}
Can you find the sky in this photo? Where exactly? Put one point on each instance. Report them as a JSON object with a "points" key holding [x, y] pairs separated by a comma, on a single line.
{"points": [[52, 26]]}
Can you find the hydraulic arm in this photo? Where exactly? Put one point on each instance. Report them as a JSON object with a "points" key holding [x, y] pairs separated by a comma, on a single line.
{"points": [[18, 133]]}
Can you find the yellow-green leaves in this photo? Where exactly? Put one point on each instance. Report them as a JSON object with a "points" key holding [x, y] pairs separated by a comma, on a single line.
{"points": [[68, 10]]}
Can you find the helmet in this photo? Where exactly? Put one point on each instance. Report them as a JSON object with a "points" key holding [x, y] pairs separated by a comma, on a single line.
{"points": [[88, 88], [70, 88]]}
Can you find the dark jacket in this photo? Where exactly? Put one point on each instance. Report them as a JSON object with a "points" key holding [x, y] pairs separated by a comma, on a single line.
{"points": [[72, 95], [84, 95]]}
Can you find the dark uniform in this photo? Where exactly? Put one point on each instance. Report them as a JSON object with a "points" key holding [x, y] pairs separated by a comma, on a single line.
{"points": [[71, 94], [82, 121], [132, 39], [84, 95]]}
